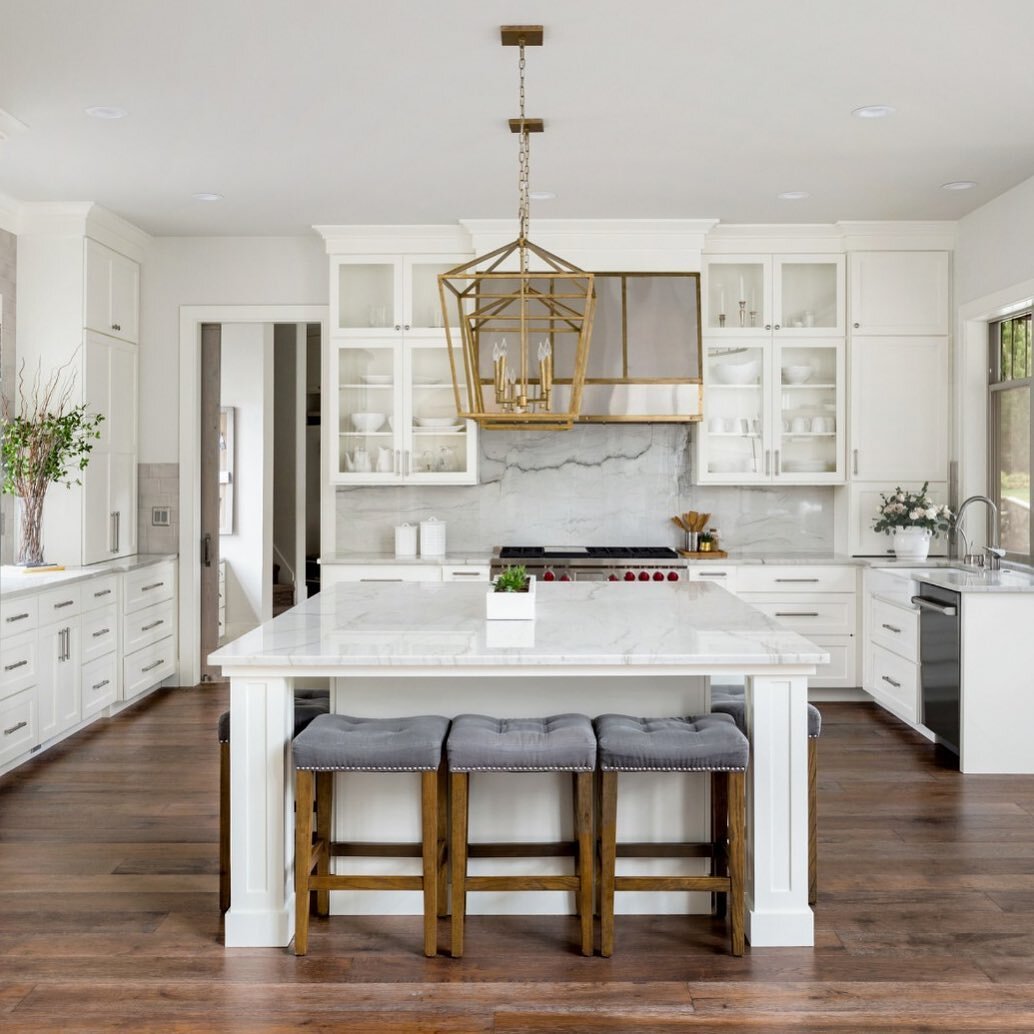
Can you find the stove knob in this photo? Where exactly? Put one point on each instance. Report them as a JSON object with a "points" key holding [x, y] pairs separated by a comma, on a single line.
{"points": [[549, 576], [565, 578], [673, 576], [612, 578], [644, 576], [630, 576], [658, 576]]}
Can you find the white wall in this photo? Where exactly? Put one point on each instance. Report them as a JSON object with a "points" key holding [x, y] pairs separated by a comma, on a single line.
{"points": [[247, 385], [210, 271]]}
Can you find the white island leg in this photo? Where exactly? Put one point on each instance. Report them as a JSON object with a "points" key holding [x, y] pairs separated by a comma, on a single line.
{"points": [[777, 812], [261, 813]]}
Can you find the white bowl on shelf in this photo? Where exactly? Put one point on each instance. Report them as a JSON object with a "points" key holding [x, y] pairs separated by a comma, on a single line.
{"points": [[376, 378], [737, 373], [367, 423], [434, 421], [797, 374]]}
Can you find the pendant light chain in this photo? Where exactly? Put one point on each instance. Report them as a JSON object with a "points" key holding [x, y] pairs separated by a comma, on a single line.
{"points": [[524, 162]]}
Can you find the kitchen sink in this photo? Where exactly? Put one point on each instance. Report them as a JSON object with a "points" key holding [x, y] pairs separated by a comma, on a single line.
{"points": [[965, 576]]}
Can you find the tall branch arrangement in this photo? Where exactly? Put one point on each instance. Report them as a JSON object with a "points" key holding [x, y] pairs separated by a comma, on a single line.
{"points": [[47, 442]]}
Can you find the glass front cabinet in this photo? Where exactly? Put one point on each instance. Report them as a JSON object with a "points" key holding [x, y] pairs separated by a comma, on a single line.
{"points": [[774, 412], [392, 404]]}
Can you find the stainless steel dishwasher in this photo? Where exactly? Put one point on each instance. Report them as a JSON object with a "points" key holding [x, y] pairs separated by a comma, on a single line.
{"points": [[940, 617]]}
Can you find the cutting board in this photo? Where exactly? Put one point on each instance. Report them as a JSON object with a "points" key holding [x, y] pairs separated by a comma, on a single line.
{"points": [[710, 554]]}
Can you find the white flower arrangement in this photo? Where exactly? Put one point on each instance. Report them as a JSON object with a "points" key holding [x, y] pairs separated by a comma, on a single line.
{"points": [[901, 509]]}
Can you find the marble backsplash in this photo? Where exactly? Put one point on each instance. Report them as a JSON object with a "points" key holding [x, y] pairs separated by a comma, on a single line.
{"points": [[605, 484]]}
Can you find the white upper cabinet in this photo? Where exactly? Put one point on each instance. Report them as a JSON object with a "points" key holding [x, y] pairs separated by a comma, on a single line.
{"points": [[765, 295], [112, 293], [900, 292]]}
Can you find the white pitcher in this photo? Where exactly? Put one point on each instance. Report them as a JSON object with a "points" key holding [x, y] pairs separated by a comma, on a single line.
{"points": [[384, 461]]}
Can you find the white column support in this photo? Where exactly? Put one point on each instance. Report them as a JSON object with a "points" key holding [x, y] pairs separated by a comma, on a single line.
{"points": [[777, 812], [261, 813]]}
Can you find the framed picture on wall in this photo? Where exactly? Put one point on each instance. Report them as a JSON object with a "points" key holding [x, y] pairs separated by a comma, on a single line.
{"points": [[226, 457]]}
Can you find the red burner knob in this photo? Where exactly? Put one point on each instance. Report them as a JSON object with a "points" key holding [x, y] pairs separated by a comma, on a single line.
{"points": [[673, 576], [549, 577], [612, 578], [644, 576], [658, 576], [629, 576], [565, 578]]}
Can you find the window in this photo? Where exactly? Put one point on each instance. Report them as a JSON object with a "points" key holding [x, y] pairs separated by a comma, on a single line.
{"points": [[1010, 431]]}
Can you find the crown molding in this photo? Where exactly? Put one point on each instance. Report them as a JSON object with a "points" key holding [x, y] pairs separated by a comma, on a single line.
{"points": [[84, 219], [902, 234], [386, 239]]}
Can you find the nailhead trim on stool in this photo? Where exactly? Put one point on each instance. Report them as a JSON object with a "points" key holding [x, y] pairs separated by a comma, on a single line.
{"points": [[705, 743], [561, 743], [730, 700], [339, 743]]}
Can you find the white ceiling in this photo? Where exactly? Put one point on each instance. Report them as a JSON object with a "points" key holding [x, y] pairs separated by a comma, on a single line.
{"points": [[394, 111]]}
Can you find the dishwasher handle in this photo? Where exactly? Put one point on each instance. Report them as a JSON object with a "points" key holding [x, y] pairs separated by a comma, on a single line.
{"points": [[940, 608]]}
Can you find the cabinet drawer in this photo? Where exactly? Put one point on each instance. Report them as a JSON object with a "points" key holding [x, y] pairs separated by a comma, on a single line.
{"points": [[466, 573], [18, 615], [99, 684], [149, 585], [724, 575], [797, 578], [894, 628], [60, 604], [895, 683], [822, 614], [147, 667], [18, 726], [100, 592], [842, 670], [148, 626], [18, 663], [334, 573], [100, 632]]}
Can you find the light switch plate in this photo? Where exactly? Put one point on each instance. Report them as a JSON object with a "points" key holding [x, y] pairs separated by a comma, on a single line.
{"points": [[160, 516]]}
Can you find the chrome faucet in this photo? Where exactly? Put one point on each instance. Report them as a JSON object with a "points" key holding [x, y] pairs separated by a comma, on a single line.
{"points": [[994, 552]]}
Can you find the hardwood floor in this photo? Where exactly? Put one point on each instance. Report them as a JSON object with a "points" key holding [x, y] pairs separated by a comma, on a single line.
{"points": [[109, 911]]}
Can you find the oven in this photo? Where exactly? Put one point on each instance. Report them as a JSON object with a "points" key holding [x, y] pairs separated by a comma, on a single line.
{"points": [[645, 564]]}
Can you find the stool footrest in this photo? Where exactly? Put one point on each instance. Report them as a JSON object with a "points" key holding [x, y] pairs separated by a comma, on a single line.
{"points": [[721, 884], [689, 849], [348, 849], [561, 849], [522, 883], [345, 882]]}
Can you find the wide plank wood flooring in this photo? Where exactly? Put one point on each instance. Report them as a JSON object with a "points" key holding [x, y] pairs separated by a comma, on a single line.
{"points": [[109, 914]]}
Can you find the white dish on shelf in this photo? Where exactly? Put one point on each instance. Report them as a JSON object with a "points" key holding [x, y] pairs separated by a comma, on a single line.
{"points": [[434, 421], [376, 378], [368, 423], [805, 467], [737, 373], [797, 374], [439, 430]]}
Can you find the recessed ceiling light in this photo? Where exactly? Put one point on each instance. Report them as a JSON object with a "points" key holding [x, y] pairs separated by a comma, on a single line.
{"points": [[106, 111], [542, 195], [207, 197], [873, 111], [793, 195], [959, 185]]}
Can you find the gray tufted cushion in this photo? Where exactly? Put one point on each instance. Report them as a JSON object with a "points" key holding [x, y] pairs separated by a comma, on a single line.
{"points": [[303, 714], [705, 743], [338, 742], [730, 700], [312, 696], [560, 743]]}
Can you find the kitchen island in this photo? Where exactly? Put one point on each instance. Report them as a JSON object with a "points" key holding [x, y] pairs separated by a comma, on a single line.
{"points": [[426, 648]]}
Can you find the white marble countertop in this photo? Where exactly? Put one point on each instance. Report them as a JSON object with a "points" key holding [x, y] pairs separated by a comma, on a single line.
{"points": [[968, 579], [15, 582], [587, 624]]}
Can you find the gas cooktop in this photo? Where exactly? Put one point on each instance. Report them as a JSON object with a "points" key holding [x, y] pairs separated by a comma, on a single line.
{"points": [[617, 554]]}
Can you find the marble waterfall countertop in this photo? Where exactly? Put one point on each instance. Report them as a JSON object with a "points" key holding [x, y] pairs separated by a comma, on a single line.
{"points": [[15, 582], [581, 624]]}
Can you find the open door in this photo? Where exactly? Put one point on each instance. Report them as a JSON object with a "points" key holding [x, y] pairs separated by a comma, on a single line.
{"points": [[212, 436]]}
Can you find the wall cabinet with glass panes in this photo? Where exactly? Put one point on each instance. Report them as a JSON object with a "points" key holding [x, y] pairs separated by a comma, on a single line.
{"points": [[773, 412]]}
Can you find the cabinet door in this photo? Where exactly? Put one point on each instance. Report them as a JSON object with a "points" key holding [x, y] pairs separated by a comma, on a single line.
{"points": [[125, 298], [97, 297], [60, 664], [808, 294], [899, 409], [899, 292], [97, 386], [112, 292], [366, 295], [421, 305], [729, 280], [122, 506], [121, 415], [98, 526]]}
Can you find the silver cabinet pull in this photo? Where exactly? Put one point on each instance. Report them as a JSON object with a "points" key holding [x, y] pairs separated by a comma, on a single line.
{"points": [[778, 461], [465, 574], [103, 592], [938, 608], [153, 624], [64, 644], [713, 574], [103, 631], [796, 613], [768, 462], [149, 667], [101, 684], [892, 628], [63, 603], [17, 664], [155, 585], [405, 455], [17, 617], [398, 461], [381, 579], [113, 548], [855, 462], [797, 579], [15, 728], [887, 678]]}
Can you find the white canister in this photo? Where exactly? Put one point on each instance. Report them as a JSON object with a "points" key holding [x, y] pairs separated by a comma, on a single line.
{"points": [[405, 540], [432, 537]]}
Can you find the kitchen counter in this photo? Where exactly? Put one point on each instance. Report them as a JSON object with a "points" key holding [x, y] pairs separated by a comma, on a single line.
{"points": [[15, 582], [417, 648], [967, 579]]}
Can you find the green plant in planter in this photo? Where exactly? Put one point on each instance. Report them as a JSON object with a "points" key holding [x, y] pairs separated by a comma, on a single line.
{"points": [[705, 542], [48, 442], [513, 579]]}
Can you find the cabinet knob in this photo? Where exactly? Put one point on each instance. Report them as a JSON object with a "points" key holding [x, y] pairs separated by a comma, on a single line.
{"points": [[776, 327], [398, 326], [768, 326], [406, 327], [856, 325], [116, 326]]}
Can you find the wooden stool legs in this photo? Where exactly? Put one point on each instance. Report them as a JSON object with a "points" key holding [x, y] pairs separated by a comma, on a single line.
{"points": [[459, 783], [224, 826], [303, 857], [583, 807], [813, 820]]}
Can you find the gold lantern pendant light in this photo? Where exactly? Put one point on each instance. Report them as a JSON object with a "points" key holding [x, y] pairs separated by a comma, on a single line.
{"points": [[520, 316]]}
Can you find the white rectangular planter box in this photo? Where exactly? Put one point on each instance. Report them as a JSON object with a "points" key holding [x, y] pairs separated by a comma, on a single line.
{"points": [[511, 606]]}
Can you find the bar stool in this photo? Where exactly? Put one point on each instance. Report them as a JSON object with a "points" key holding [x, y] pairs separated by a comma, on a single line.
{"points": [[309, 704], [730, 700], [560, 743], [708, 743], [338, 743]]}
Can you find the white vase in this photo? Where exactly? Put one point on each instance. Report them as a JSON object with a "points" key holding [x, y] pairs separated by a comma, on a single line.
{"points": [[912, 543]]}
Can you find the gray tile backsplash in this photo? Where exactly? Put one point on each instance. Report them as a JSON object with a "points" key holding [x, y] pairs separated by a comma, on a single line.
{"points": [[158, 484]]}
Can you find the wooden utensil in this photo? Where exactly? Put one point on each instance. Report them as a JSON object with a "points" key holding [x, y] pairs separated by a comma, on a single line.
{"points": [[679, 523], [702, 521], [690, 519]]}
